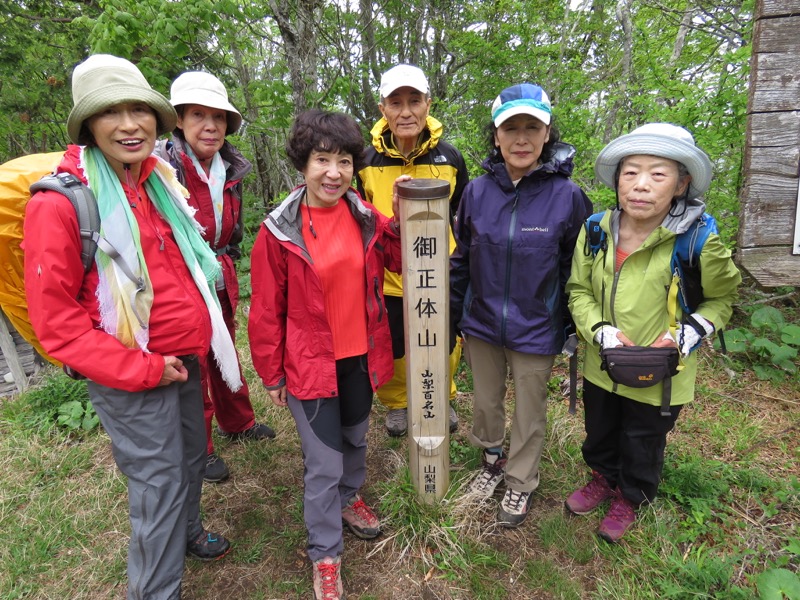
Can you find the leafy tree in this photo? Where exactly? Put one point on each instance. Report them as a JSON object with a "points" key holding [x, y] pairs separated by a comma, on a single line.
{"points": [[40, 42], [608, 67]]}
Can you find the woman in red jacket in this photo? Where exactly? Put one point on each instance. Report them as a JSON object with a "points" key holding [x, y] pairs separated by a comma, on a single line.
{"points": [[136, 322], [212, 170], [318, 331]]}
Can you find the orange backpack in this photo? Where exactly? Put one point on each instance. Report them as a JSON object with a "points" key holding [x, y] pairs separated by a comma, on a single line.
{"points": [[19, 179]]}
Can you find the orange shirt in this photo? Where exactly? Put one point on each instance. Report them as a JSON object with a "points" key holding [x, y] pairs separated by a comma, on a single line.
{"points": [[620, 258], [338, 254]]}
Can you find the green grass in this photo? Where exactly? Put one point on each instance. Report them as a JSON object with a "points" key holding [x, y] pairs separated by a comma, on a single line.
{"points": [[727, 516], [546, 577]]}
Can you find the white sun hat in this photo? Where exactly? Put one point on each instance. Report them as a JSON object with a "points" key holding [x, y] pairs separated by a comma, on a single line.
{"points": [[198, 87], [657, 139]]}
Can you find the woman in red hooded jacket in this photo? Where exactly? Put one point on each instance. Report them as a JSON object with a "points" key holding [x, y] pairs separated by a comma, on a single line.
{"points": [[212, 170], [318, 330], [136, 322]]}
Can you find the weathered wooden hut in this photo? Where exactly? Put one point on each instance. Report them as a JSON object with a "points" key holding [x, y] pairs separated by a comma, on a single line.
{"points": [[769, 234], [18, 359]]}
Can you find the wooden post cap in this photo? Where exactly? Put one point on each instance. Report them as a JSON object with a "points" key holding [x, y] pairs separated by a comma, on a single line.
{"points": [[423, 189]]}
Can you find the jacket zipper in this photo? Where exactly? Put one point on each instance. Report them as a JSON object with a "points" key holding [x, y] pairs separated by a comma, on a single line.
{"points": [[377, 292], [507, 286]]}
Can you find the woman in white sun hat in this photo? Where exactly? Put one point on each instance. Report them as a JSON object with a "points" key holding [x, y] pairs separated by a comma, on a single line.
{"points": [[212, 170], [618, 296]]}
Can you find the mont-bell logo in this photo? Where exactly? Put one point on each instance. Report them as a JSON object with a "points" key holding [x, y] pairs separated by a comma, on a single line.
{"points": [[536, 229]]}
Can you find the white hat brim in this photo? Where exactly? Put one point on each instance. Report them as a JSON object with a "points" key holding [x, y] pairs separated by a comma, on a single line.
{"points": [[504, 116], [211, 100], [693, 158]]}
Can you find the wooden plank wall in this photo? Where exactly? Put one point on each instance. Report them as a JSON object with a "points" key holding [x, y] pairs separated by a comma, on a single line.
{"points": [[17, 359], [772, 150]]}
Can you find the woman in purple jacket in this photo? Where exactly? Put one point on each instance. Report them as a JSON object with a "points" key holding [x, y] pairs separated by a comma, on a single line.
{"points": [[515, 233]]}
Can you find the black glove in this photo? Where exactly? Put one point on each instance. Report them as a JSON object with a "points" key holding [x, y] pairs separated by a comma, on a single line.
{"points": [[569, 328], [453, 332], [234, 252]]}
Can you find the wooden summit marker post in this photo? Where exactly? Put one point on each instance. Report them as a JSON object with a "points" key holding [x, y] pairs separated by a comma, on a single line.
{"points": [[424, 212]]}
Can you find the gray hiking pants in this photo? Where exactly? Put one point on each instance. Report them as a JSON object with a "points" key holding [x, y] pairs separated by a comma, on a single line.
{"points": [[159, 442], [333, 436]]}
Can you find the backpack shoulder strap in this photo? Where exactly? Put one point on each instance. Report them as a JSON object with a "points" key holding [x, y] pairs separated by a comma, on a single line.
{"points": [[685, 266], [85, 205], [595, 236], [689, 244]]}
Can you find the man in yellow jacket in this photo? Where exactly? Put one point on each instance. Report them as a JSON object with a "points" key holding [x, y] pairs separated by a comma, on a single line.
{"points": [[407, 141]]}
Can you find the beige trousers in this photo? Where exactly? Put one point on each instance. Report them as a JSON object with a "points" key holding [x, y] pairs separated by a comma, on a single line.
{"points": [[530, 374]]}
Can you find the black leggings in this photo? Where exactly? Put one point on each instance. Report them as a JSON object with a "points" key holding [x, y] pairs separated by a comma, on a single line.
{"points": [[625, 441]]}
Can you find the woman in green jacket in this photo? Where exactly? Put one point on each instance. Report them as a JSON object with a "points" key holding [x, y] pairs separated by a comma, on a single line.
{"points": [[618, 296]]}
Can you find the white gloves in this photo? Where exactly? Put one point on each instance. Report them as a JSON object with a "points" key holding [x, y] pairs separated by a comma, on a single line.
{"points": [[690, 336], [606, 336]]}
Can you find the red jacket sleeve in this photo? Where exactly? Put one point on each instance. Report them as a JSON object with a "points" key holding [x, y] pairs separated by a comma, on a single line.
{"points": [[393, 252], [59, 296], [266, 325]]}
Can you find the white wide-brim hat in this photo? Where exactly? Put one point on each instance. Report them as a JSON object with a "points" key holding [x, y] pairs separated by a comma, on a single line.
{"points": [[102, 81], [197, 87], [657, 139]]}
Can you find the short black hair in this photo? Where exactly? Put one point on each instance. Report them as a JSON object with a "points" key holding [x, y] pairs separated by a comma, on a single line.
{"points": [[324, 131], [548, 150]]}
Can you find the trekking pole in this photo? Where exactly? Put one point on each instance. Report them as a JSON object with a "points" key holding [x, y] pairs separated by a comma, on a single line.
{"points": [[424, 212]]}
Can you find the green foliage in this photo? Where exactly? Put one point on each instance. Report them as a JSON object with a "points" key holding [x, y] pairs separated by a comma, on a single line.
{"points": [[432, 530], [551, 579], [463, 376], [703, 488], [77, 415], [700, 574], [563, 533], [40, 42], [777, 584], [62, 401], [770, 344], [278, 58], [461, 452]]}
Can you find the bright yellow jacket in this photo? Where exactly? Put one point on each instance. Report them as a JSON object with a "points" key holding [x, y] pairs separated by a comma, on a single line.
{"points": [[433, 158]]}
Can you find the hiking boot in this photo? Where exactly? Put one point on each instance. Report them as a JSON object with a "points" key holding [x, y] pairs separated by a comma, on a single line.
{"points": [[590, 496], [259, 431], [493, 469], [397, 421], [328, 579], [216, 469], [619, 518], [361, 519], [208, 546], [453, 420], [514, 508]]}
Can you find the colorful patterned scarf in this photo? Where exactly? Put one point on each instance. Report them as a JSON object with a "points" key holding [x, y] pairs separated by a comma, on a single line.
{"points": [[124, 291]]}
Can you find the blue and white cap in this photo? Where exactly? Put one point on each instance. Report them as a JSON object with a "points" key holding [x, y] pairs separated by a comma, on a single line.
{"points": [[522, 99]]}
